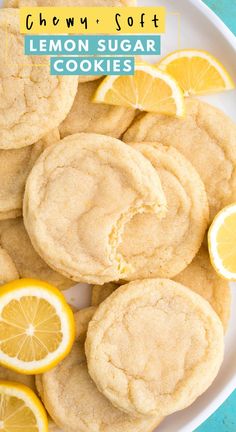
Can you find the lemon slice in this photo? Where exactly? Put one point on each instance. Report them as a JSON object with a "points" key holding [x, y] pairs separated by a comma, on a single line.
{"points": [[222, 242], [37, 326], [20, 409], [197, 72], [149, 89]]}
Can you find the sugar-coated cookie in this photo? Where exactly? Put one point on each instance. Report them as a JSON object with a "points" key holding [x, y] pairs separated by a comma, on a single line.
{"points": [[201, 277], [164, 247], [15, 166], [87, 116], [206, 136], [32, 102], [154, 346], [8, 271], [10, 375], [78, 198], [15, 240], [72, 399]]}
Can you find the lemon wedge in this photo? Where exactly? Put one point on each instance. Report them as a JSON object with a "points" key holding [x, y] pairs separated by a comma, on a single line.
{"points": [[37, 326], [197, 72], [149, 89], [222, 242], [20, 409]]}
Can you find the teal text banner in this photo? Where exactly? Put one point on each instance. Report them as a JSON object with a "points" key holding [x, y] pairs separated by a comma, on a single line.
{"points": [[92, 65], [92, 45]]}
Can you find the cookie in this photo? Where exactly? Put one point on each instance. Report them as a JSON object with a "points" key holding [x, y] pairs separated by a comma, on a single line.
{"points": [[207, 137], [86, 116], [79, 196], [164, 247], [32, 101], [101, 292], [154, 346], [52, 427], [9, 375], [15, 240], [15, 166], [201, 277], [72, 399], [8, 271]]}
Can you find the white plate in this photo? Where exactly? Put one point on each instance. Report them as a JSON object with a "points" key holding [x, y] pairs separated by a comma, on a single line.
{"points": [[199, 28]]}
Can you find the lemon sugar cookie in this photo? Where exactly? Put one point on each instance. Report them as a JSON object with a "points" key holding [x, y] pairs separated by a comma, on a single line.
{"points": [[79, 196], [153, 347], [15, 240], [32, 101], [206, 136], [15, 166], [10, 375], [8, 271], [164, 247], [87, 116], [72, 399], [201, 277]]}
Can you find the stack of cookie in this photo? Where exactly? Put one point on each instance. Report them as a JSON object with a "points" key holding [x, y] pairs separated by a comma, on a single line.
{"points": [[122, 202]]}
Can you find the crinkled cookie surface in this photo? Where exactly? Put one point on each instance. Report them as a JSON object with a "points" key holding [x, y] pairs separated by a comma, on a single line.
{"points": [[86, 116], [79, 196], [207, 137], [32, 102], [15, 240], [154, 346], [199, 276], [73, 400], [164, 247]]}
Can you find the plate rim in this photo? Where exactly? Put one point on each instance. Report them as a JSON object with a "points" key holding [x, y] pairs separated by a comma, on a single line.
{"points": [[216, 21]]}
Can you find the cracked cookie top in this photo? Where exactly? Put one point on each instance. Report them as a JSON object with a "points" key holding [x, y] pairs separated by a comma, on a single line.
{"points": [[199, 276], [79, 195], [206, 136], [73, 400], [32, 102], [154, 346]]}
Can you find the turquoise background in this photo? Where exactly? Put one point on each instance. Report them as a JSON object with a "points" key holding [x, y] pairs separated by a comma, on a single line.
{"points": [[224, 419], [226, 9]]}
